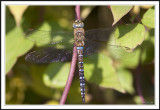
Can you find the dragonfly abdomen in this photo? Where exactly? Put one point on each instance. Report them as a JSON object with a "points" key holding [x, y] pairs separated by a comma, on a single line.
{"points": [[81, 72]]}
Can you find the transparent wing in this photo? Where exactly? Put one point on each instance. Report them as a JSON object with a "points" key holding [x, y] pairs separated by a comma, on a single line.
{"points": [[49, 37], [92, 47], [54, 37], [61, 45], [57, 46], [49, 55], [99, 34], [115, 51]]}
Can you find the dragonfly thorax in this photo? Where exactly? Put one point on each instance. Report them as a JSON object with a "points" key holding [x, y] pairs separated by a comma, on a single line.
{"points": [[79, 36]]}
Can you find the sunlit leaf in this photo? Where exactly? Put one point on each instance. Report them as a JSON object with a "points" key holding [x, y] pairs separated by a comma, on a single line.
{"points": [[17, 11], [149, 18], [102, 72], [146, 6], [143, 53], [126, 80], [56, 74], [127, 38], [130, 35], [137, 100], [148, 48], [119, 11], [136, 9], [16, 46], [52, 102]]}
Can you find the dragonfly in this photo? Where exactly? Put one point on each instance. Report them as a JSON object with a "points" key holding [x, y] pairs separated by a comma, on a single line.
{"points": [[58, 46]]}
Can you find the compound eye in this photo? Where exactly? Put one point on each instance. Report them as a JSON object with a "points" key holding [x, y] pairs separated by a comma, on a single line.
{"points": [[74, 25], [81, 24]]}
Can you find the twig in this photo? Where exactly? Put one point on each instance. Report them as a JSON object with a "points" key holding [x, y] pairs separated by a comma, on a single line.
{"points": [[70, 77], [73, 65]]}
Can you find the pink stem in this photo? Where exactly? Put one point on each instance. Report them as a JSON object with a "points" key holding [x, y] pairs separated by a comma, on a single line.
{"points": [[109, 6], [77, 10], [73, 65], [139, 91], [70, 77], [139, 86]]}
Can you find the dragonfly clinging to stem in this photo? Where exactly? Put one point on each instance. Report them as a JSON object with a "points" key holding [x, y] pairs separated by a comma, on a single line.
{"points": [[58, 50]]}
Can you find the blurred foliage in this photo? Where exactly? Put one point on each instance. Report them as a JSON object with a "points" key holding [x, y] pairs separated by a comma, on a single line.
{"points": [[148, 18], [119, 11], [17, 12], [108, 80]]}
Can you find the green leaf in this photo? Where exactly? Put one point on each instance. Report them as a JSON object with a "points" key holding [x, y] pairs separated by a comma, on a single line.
{"points": [[9, 22], [147, 48], [127, 38], [143, 53], [126, 80], [119, 11], [102, 72], [52, 102], [149, 18], [16, 46], [131, 62], [56, 74], [137, 99], [130, 35]]}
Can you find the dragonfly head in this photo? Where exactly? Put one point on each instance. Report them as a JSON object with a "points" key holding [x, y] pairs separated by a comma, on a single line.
{"points": [[78, 24]]}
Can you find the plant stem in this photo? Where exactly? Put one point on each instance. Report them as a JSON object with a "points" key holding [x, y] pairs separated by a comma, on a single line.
{"points": [[139, 91], [77, 10], [70, 77], [73, 65], [139, 86]]}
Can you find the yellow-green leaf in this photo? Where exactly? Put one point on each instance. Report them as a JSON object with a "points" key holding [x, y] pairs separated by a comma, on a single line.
{"points": [[16, 46], [119, 11], [56, 74], [130, 35], [52, 102], [102, 72], [126, 79], [149, 18]]}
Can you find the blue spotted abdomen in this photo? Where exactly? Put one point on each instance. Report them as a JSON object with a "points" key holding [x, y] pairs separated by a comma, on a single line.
{"points": [[81, 72]]}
